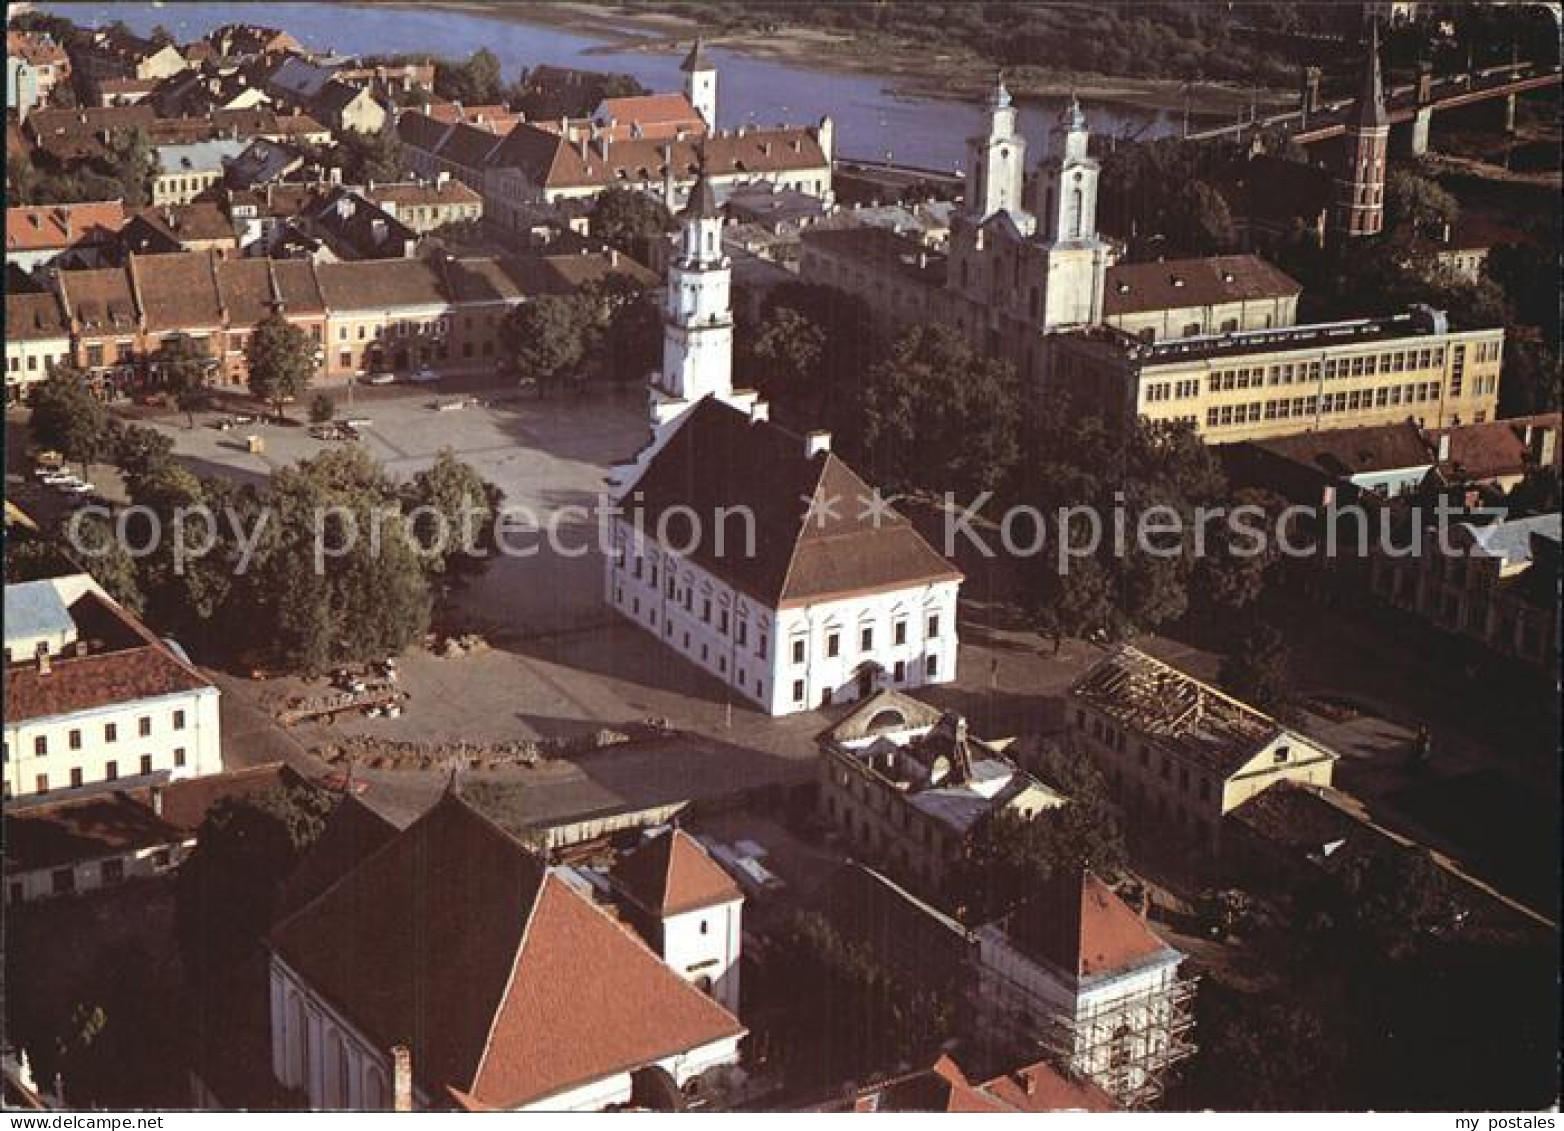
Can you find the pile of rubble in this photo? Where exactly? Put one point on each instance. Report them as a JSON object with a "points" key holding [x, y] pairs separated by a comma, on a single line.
{"points": [[390, 754], [454, 647]]}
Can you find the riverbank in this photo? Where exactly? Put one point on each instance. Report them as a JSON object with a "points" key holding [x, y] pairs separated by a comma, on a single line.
{"points": [[914, 69]]}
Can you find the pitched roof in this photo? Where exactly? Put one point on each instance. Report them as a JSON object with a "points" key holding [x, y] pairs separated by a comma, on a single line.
{"points": [[100, 299], [34, 317], [353, 832], [508, 985], [178, 291], [371, 283], [169, 227], [696, 60], [35, 48], [1039, 1088], [1369, 112], [250, 287], [89, 828], [1208, 281], [48, 227], [650, 115], [557, 161], [944, 1087], [671, 874], [1512, 540], [812, 537], [1345, 452], [1077, 924], [138, 666], [1497, 447]]}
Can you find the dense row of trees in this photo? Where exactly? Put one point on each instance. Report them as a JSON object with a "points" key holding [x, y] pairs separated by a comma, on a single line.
{"points": [[330, 562], [611, 329]]}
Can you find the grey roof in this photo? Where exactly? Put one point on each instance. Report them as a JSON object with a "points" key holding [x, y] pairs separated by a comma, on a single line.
{"points": [[994, 782], [1510, 540], [696, 60], [33, 609], [199, 156]]}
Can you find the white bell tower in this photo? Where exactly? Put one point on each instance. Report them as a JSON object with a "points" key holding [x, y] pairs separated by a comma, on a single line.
{"points": [[697, 316], [700, 84], [1076, 259], [996, 162]]}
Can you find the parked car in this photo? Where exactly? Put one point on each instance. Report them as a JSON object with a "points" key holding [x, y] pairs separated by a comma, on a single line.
{"points": [[382, 378], [423, 375], [77, 488]]}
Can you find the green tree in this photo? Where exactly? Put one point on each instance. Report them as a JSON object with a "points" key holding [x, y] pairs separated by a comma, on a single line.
{"points": [[1257, 669], [227, 888], [131, 160], [629, 219], [1238, 564], [939, 417], [372, 157], [184, 370], [1415, 203], [551, 339], [93, 542], [788, 354], [451, 511], [1199, 222], [629, 344], [340, 579], [1011, 857], [138, 451], [68, 418], [281, 360], [474, 82], [322, 408]]}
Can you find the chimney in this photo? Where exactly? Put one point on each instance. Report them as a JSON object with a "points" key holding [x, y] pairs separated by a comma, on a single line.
{"points": [[759, 411], [156, 793], [1029, 1083], [1547, 446], [816, 442], [402, 1078], [1444, 447], [45, 661]]}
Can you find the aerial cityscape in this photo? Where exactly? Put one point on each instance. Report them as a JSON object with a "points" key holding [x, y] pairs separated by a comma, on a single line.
{"points": [[759, 556]]}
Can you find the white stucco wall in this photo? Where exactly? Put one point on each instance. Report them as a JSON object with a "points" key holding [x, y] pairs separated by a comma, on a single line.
{"points": [[707, 943]]}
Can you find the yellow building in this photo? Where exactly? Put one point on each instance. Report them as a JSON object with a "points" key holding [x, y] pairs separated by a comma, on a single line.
{"points": [[1179, 753], [1251, 386]]}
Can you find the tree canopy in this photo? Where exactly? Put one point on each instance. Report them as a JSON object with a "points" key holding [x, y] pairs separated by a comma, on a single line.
{"points": [[281, 360]]}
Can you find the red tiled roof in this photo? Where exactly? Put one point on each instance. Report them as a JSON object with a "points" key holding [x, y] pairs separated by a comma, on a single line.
{"points": [[34, 317], [1175, 283], [509, 985], [672, 874], [1498, 447], [1079, 925], [719, 458], [48, 227], [179, 290], [39, 50], [1039, 1088]]}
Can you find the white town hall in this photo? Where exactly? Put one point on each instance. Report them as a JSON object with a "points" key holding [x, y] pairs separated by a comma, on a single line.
{"points": [[756, 553]]}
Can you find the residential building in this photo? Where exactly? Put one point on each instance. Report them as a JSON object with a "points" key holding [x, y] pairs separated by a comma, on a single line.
{"points": [[1494, 584], [69, 137], [93, 696], [1179, 753], [907, 785], [246, 41], [1265, 383], [687, 909], [700, 84], [320, 90], [45, 61], [651, 116], [22, 92], [105, 838], [186, 171], [1499, 453], [425, 206], [810, 605], [355, 227], [202, 226], [1337, 466], [115, 53], [455, 959], [262, 162], [1080, 975], [61, 235], [37, 337]]}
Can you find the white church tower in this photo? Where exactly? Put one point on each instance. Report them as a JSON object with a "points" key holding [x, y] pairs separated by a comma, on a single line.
{"points": [[697, 315], [700, 84], [996, 162], [1066, 208]]}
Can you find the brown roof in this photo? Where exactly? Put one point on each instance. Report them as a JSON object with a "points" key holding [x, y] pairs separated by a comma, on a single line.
{"points": [[1079, 925], [178, 291], [422, 192], [508, 985], [887, 249], [34, 317], [1344, 452], [145, 669], [944, 1087], [1499, 447], [719, 458], [39, 50], [177, 224], [373, 283], [353, 832], [100, 299], [555, 161], [672, 874], [89, 828], [1039, 1088], [46, 227], [1174, 283], [250, 287]]}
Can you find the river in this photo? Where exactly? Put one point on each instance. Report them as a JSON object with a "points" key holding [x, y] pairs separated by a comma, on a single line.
{"points": [[871, 120]]}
